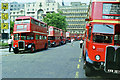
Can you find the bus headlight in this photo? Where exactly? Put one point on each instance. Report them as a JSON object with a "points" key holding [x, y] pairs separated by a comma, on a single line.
{"points": [[93, 47], [15, 45], [53, 43], [97, 57], [29, 46]]}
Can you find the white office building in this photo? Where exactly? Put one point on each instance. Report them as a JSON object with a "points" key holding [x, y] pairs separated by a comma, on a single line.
{"points": [[35, 9]]}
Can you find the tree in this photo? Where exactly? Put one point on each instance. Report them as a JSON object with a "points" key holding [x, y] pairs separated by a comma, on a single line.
{"points": [[11, 26], [56, 20]]}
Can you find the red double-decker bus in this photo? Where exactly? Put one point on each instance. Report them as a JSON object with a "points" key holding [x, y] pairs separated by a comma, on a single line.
{"points": [[101, 49], [63, 36], [29, 34], [54, 36]]}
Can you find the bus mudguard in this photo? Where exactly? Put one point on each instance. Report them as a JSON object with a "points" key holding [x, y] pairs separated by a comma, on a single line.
{"points": [[87, 58]]}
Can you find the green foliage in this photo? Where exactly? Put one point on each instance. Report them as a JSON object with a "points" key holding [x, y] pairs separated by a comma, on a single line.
{"points": [[56, 20], [11, 26], [3, 44]]}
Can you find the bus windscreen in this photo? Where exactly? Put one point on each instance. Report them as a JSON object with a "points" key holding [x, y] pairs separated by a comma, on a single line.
{"points": [[103, 28], [22, 21]]}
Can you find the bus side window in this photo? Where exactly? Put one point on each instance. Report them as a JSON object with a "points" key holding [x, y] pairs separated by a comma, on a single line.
{"points": [[36, 22], [40, 37], [39, 24], [42, 24], [32, 21], [37, 37], [89, 33], [45, 37]]}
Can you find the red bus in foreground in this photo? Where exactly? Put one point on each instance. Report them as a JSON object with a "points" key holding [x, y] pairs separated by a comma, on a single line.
{"points": [[101, 49], [29, 34], [54, 36], [63, 36]]}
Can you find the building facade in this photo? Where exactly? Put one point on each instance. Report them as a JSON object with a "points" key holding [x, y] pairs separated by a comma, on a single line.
{"points": [[75, 16], [36, 9]]}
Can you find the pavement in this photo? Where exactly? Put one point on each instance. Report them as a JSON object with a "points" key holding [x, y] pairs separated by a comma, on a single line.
{"points": [[5, 51]]}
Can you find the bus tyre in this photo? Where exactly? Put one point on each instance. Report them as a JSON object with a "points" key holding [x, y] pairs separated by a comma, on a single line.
{"points": [[46, 47], [16, 51], [59, 43], [32, 49], [88, 71]]}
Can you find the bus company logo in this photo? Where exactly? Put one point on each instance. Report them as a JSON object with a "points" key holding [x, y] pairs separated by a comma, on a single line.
{"points": [[100, 49]]}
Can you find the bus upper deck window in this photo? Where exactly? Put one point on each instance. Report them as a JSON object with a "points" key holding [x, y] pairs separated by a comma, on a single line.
{"points": [[22, 21], [26, 21]]}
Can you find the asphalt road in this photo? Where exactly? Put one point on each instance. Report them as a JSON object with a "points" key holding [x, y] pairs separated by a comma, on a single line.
{"points": [[58, 62]]}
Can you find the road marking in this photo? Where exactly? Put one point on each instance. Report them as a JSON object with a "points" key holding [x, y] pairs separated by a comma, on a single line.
{"points": [[76, 76], [78, 66], [79, 60], [80, 57]]}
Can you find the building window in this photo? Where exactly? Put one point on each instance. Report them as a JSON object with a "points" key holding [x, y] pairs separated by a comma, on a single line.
{"points": [[28, 5], [48, 4], [52, 8], [11, 5], [40, 5], [53, 4], [17, 12], [47, 8], [15, 5], [13, 17], [32, 9], [13, 12], [28, 9]]}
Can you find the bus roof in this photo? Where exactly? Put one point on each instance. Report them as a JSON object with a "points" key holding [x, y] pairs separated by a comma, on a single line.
{"points": [[54, 27], [28, 17], [105, 0]]}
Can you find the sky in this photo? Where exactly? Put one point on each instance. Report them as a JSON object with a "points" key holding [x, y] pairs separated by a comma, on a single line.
{"points": [[60, 1]]}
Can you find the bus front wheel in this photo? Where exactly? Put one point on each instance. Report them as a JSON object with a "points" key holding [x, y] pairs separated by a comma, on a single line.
{"points": [[88, 71], [16, 51], [32, 49], [46, 46]]}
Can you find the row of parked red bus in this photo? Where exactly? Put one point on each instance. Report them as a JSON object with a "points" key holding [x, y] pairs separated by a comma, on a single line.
{"points": [[56, 36], [31, 34]]}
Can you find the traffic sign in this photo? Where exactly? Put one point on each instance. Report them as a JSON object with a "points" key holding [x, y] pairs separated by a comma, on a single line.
{"points": [[4, 6], [4, 25], [4, 16]]}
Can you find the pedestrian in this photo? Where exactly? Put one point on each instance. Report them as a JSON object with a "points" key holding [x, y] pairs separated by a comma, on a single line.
{"points": [[72, 42], [81, 43], [10, 43]]}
